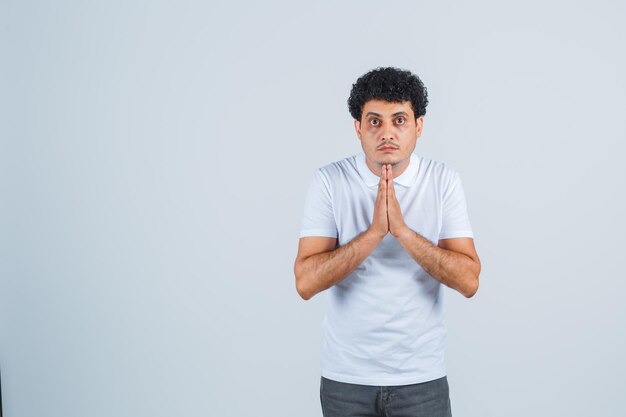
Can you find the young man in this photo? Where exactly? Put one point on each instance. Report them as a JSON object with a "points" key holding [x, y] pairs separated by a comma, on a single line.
{"points": [[382, 230]]}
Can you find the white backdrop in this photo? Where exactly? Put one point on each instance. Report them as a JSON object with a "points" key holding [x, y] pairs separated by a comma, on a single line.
{"points": [[153, 162]]}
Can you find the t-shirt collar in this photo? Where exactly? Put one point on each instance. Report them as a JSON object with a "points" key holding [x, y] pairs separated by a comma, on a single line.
{"points": [[406, 179]]}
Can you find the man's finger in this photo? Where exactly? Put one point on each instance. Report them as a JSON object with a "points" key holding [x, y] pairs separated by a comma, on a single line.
{"points": [[385, 183], [381, 183], [391, 191]]}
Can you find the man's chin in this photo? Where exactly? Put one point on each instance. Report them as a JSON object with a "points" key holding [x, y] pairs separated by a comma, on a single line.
{"points": [[387, 159], [384, 159]]}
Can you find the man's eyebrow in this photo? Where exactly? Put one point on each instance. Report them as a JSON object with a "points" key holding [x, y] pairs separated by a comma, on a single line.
{"points": [[395, 114]]}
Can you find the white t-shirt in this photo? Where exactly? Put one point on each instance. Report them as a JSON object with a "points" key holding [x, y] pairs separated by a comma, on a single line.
{"points": [[384, 322]]}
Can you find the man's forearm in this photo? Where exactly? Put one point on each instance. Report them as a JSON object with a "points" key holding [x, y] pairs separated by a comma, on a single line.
{"points": [[323, 270], [455, 270]]}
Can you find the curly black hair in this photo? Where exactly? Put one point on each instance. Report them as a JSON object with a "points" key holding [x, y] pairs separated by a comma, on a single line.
{"points": [[390, 84]]}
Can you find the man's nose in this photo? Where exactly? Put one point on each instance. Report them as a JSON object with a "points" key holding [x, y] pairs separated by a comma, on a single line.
{"points": [[388, 134]]}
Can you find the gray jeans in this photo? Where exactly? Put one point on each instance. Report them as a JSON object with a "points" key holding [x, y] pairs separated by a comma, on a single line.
{"points": [[425, 399]]}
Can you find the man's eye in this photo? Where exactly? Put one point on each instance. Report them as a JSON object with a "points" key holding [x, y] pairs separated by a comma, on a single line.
{"points": [[374, 120], [401, 118]]}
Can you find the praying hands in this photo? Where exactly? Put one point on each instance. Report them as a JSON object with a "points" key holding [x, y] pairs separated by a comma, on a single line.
{"points": [[387, 213]]}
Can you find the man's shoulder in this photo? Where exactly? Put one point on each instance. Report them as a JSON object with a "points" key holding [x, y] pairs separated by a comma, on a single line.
{"points": [[339, 167], [437, 167]]}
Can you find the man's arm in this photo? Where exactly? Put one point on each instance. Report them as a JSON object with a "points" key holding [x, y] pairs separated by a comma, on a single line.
{"points": [[455, 263], [315, 273], [319, 267]]}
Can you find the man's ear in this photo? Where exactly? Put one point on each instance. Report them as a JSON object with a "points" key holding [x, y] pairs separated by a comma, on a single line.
{"points": [[419, 123], [357, 127]]}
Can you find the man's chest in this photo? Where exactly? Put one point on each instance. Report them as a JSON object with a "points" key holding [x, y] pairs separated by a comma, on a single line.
{"points": [[353, 207]]}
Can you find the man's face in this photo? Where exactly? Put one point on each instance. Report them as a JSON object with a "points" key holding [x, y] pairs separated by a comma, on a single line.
{"points": [[388, 132]]}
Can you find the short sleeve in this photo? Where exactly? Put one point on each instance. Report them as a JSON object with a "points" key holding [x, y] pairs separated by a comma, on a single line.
{"points": [[455, 220], [318, 218]]}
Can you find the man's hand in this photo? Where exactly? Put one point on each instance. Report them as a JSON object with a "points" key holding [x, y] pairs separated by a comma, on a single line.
{"points": [[397, 226], [380, 224], [387, 213]]}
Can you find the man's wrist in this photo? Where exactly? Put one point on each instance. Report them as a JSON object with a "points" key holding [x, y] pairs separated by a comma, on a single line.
{"points": [[405, 234], [374, 235]]}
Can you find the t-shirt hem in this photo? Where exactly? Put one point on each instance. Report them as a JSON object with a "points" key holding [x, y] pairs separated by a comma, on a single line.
{"points": [[318, 232], [384, 380], [459, 233]]}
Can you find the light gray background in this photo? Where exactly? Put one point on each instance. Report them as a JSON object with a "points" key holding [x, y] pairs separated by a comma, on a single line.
{"points": [[154, 160]]}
